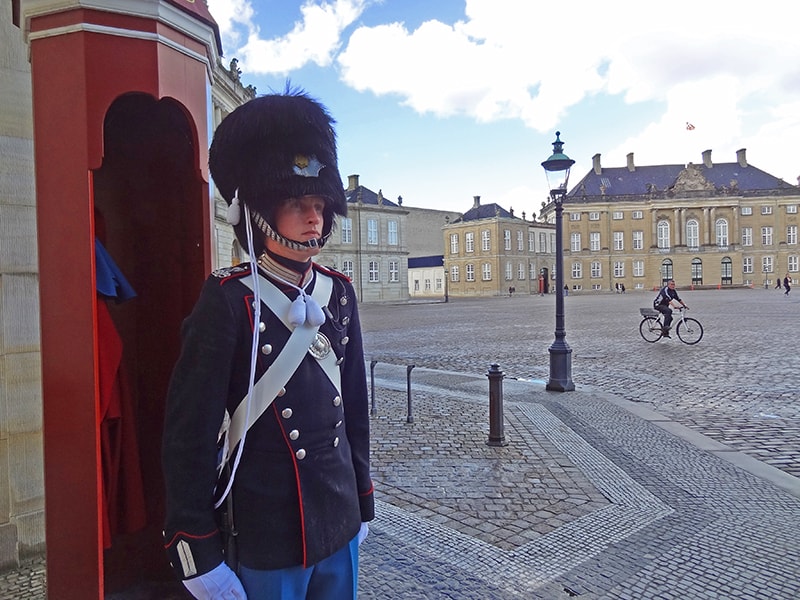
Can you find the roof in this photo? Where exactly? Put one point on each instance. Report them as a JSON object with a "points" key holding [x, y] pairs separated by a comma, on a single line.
{"points": [[426, 261], [720, 178], [487, 211], [367, 196]]}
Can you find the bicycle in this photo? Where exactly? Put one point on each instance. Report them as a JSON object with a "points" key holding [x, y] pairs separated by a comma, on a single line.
{"points": [[689, 330]]}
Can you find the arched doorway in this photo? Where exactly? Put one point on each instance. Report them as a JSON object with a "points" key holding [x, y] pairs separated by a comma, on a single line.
{"points": [[149, 205]]}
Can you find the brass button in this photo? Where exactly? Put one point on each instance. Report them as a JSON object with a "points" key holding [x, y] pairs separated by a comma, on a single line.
{"points": [[340, 360], [345, 320], [266, 348], [335, 442], [281, 392], [286, 413], [294, 434], [262, 327], [300, 454], [337, 400], [345, 339]]}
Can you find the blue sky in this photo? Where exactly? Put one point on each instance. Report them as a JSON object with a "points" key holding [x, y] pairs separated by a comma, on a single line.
{"points": [[438, 101]]}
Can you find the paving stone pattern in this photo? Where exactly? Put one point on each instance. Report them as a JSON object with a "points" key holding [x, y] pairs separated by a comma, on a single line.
{"points": [[587, 499]]}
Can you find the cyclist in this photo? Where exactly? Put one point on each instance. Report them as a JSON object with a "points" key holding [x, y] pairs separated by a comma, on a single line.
{"points": [[666, 297]]}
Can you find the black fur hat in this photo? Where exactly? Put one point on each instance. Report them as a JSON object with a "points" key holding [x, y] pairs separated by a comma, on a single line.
{"points": [[273, 148]]}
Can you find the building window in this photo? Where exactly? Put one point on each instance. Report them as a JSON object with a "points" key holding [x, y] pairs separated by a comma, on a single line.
{"points": [[594, 241], [506, 239], [767, 264], [438, 284], [666, 271], [374, 272], [347, 230], [427, 285], [619, 268], [347, 268], [596, 269], [521, 271], [617, 215], [721, 230], [663, 235], [638, 240], [692, 233], [793, 263], [394, 271], [594, 216], [543, 242], [486, 271], [638, 268], [575, 242], [766, 236], [726, 271], [747, 210], [574, 216], [766, 210], [531, 241], [577, 270], [454, 275], [747, 236], [697, 271], [453, 243], [392, 233], [416, 285], [486, 240], [791, 235], [747, 264], [509, 271], [470, 272], [469, 241], [619, 242], [520, 241], [637, 214], [791, 209], [372, 231]]}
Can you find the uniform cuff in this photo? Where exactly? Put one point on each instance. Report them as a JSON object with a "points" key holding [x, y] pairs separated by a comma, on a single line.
{"points": [[191, 556]]}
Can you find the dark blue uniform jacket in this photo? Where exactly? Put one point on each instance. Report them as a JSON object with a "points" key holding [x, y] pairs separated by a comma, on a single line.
{"points": [[303, 486]]}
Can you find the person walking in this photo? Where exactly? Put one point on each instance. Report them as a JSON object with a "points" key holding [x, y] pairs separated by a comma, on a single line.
{"points": [[272, 356], [787, 284]]}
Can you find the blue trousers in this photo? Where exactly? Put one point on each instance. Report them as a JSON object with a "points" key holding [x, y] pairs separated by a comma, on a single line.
{"points": [[334, 578]]}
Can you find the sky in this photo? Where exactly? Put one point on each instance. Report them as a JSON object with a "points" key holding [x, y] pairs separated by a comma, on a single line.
{"points": [[439, 101]]}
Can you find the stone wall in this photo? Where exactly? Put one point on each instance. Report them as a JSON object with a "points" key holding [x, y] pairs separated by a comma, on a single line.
{"points": [[21, 464]]}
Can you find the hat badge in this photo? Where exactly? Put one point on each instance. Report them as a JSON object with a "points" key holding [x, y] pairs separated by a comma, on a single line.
{"points": [[307, 166]]}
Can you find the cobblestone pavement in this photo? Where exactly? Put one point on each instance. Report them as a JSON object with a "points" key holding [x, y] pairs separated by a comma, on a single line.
{"points": [[670, 473], [740, 385]]}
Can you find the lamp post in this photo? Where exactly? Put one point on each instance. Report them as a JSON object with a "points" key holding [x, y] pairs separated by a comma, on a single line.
{"points": [[556, 169], [446, 297]]}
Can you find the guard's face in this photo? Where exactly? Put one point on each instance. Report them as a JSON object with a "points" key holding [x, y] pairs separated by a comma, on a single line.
{"points": [[301, 220]]}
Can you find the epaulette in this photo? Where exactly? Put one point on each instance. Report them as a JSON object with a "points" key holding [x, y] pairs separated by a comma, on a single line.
{"points": [[234, 272], [332, 272]]}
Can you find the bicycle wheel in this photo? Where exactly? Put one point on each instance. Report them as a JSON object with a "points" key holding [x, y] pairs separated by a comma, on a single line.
{"points": [[689, 331], [650, 328]]}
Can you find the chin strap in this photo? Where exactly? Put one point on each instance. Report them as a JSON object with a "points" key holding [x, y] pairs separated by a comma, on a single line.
{"points": [[268, 231]]}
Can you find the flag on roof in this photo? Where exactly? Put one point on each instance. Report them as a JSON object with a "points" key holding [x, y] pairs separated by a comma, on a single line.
{"points": [[689, 126]]}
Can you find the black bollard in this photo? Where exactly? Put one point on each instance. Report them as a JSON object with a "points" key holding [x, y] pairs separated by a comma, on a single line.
{"points": [[496, 436], [372, 364], [410, 417]]}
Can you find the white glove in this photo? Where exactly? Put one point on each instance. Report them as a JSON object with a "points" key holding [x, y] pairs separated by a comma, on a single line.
{"points": [[220, 583], [362, 533]]}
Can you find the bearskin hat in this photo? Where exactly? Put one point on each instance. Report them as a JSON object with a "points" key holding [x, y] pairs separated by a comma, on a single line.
{"points": [[273, 148]]}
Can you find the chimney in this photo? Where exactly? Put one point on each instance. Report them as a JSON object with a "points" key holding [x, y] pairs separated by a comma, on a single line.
{"points": [[476, 201], [707, 159], [596, 164], [631, 167], [741, 157], [352, 182]]}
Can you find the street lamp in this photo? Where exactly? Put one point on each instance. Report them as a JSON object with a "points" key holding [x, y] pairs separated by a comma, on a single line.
{"points": [[446, 297], [556, 168]]}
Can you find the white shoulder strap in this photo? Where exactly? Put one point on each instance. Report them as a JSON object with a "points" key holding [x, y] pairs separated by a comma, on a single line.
{"points": [[272, 381]]}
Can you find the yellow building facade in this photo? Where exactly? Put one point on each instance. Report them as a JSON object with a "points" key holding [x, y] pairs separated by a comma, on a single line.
{"points": [[706, 226]]}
